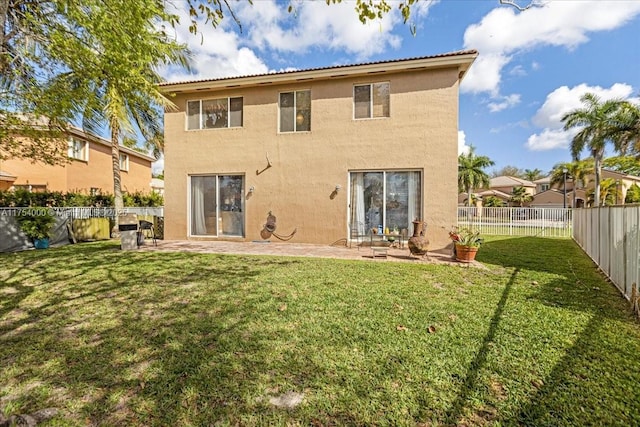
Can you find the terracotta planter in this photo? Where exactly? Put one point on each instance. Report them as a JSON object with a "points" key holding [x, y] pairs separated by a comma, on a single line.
{"points": [[466, 253], [418, 243]]}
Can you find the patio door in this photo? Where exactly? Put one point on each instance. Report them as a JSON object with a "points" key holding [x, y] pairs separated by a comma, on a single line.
{"points": [[387, 199], [216, 205]]}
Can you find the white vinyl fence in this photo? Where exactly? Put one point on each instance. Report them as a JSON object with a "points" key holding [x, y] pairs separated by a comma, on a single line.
{"points": [[540, 222], [611, 237]]}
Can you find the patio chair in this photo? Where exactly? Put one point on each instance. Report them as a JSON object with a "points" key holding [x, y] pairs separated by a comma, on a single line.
{"points": [[147, 225], [355, 236]]}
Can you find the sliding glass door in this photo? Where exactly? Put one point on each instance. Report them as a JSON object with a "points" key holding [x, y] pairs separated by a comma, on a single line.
{"points": [[217, 205], [387, 199]]}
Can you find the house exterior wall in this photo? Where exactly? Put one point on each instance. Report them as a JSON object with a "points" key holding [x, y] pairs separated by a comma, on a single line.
{"points": [[420, 134], [79, 175]]}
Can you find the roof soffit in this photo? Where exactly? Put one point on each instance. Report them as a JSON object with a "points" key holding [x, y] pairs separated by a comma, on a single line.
{"points": [[461, 60]]}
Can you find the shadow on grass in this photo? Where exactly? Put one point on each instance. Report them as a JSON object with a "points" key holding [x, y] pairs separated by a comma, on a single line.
{"points": [[165, 334], [589, 372], [470, 382]]}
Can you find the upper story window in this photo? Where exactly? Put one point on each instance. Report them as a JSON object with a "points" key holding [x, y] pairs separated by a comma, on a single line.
{"points": [[124, 162], [214, 113], [295, 111], [78, 149], [371, 100], [544, 187]]}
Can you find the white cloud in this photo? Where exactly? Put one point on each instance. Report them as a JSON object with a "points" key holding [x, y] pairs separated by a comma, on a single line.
{"points": [[549, 139], [504, 33], [216, 52], [518, 71], [505, 102], [157, 167], [560, 102], [268, 28], [565, 99], [463, 148], [318, 25]]}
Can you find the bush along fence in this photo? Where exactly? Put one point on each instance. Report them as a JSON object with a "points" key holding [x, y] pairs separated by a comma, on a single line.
{"points": [[76, 216], [611, 238], [72, 223]]}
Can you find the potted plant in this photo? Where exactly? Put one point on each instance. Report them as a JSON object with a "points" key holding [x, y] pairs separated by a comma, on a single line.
{"points": [[466, 243], [37, 224]]}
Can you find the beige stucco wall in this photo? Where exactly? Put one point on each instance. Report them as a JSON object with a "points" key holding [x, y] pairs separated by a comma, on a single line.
{"points": [[78, 175], [421, 134]]}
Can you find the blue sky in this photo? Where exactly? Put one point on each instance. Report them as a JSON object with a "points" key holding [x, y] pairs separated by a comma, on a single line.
{"points": [[532, 68]]}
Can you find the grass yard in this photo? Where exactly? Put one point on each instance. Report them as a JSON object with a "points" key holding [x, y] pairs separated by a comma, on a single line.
{"points": [[118, 338]]}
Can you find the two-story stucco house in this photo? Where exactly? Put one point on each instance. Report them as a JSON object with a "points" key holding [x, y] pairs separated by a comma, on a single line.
{"points": [[329, 151], [89, 168]]}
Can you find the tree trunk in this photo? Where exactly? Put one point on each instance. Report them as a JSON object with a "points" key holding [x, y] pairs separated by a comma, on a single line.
{"points": [[115, 159], [598, 168], [469, 201], [573, 202], [4, 11]]}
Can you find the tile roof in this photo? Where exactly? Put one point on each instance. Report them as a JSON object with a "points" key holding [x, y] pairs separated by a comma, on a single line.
{"points": [[334, 67]]}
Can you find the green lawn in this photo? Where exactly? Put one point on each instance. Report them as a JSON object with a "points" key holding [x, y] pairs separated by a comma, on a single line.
{"points": [[178, 339]]}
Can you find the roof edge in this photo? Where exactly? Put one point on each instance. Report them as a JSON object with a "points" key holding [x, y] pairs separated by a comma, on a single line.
{"points": [[462, 59]]}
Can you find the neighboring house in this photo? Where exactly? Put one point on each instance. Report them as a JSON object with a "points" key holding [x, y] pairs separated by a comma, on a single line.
{"points": [[552, 197], [157, 186], [542, 184], [623, 182], [506, 184], [90, 169], [500, 187], [331, 152]]}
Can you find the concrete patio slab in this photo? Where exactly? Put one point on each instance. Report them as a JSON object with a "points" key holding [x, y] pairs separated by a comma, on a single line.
{"points": [[294, 249]]}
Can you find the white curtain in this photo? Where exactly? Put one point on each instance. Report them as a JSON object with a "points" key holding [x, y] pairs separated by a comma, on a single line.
{"points": [[413, 202], [198, 226], [357, 202]]}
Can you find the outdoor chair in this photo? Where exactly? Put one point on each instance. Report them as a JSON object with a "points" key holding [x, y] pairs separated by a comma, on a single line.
{"points": [[147, 225]]}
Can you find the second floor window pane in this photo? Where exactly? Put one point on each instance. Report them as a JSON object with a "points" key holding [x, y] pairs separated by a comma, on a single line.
{"points": [[215, 113], [371, 100], [295, 111]]}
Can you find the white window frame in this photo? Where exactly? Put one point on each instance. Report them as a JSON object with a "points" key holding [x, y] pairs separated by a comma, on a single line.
{"points": [[81, 154], [218, 205], [200, 124], [295, 109], [124, 162], [371, 115]]}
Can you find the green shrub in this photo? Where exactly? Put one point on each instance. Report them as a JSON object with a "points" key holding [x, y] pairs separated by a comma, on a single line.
{"points": [[25, 198], [36, 223]]}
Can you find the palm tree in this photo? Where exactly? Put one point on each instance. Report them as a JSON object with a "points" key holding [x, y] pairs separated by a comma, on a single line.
{"points": [[470, 172], [119, 76], [626, 129], [532, 175], [519, 195], [577, 172], [610, 192], [596, 123], [492, 202]]}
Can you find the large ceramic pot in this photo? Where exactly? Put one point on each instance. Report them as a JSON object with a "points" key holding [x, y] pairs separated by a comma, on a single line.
{"points": [[418, 243], [466, 253]]}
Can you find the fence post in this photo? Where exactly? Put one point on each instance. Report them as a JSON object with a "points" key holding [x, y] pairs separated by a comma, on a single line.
{"points": [[635, 300]]}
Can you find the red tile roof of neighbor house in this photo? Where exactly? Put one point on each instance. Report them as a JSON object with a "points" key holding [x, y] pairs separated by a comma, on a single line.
{"points": [[510, 181], [6, 176], [473, 53]]}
